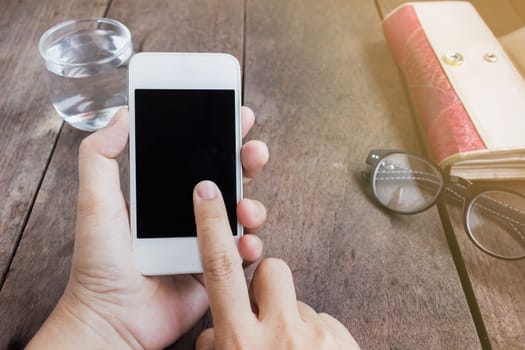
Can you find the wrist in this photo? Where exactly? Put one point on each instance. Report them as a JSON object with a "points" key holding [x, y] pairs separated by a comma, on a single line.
{"points": [[74, 325]]}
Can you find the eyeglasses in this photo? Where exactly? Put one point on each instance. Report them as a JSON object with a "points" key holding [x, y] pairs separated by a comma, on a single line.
{"points": [[408, 184]]}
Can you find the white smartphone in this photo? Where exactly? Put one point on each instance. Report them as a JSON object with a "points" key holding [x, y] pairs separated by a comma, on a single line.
{"points": [[185, 111]]}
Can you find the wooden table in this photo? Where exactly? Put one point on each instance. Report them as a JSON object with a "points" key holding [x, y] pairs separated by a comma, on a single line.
{"points": [[325, 90]]}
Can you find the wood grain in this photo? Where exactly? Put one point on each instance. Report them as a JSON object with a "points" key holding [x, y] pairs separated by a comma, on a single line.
{"points": [[183, 25], [494, 287], [40, 268], [326, 91], [28, 123], [29, 127], [497, 286]]}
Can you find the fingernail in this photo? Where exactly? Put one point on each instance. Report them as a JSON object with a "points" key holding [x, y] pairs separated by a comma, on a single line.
{"points": [[206, 190]]}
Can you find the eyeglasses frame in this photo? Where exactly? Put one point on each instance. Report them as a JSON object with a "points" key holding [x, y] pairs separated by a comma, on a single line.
{"points": [[472, 191]]}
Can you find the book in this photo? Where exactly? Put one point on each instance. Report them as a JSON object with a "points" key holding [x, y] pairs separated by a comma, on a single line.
{"points": [[466, 93]]}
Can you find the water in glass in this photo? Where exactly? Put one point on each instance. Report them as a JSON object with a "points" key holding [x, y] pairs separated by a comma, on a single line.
{"points": [[90, 84]]}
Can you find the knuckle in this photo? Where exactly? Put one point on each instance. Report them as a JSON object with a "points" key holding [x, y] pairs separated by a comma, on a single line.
{"points": [[325, 339], [291, 342], [89, 202], [92, 202], [210, 222], [273, 266], [237, 340], [220, 266]]}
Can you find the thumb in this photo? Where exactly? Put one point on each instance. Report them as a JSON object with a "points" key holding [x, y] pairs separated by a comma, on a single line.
{"points": [[99, 182]]}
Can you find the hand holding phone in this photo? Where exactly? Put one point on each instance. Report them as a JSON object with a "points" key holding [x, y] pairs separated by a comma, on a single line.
{"points": [[104, 284]]}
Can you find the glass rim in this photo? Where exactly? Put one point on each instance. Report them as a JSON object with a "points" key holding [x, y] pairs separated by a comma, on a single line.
{"points": [[72, 22], [473, 237], [430, 203]]}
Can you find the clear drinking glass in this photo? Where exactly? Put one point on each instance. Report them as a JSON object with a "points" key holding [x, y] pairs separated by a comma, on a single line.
{"points": [[86, 69]]}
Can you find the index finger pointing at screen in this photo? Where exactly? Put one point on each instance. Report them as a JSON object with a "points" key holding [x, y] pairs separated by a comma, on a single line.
{"points": [[222, 265]]}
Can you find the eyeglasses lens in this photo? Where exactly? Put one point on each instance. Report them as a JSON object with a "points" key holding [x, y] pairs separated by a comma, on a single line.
{"points": [[406, 183], [496, 221]]}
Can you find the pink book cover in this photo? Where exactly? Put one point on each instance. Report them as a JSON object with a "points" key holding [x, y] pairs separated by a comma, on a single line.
{"points": [[444, 121]]}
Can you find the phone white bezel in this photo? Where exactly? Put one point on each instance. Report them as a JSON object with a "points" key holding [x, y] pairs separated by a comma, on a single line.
{"points": [[167, 256]]}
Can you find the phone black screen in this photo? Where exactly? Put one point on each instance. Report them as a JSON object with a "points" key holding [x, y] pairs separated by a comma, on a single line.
{"points": [[181, 138]]}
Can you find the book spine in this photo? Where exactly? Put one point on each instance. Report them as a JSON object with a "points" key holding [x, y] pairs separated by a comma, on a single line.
{"points": [[444, 122]]}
